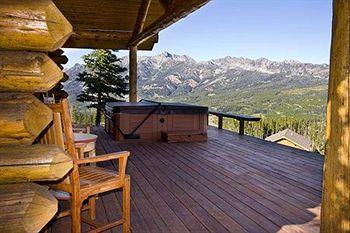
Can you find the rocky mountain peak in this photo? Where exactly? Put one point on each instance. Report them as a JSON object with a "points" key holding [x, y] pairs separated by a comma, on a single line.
{"points": [[166, 55], [170, 75], [77, 67]]}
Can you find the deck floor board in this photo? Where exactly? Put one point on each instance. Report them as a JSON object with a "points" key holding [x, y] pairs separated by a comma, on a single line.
{"points": [[233, 186], [231, 183], [262, 172], [217, 180]]}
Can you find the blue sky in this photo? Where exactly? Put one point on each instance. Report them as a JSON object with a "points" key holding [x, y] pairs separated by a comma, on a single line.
{"points": [[275, 29]]}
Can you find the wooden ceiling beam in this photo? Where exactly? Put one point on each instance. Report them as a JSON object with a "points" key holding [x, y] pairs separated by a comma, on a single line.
{"points": [[92, 34], [105, 39], [141, 17], [95, 38], [177, 10]]}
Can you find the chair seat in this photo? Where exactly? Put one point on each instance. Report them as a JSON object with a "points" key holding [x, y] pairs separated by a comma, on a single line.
{"points": [[94, 179]]}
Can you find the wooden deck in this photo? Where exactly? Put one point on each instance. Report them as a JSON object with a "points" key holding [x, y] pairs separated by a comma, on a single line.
{"points": [[231, 183]]}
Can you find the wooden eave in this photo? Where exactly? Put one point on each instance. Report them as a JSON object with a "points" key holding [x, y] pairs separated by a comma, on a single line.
{"points": [[123, 23]]}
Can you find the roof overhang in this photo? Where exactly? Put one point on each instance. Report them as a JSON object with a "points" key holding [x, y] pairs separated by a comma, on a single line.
{"points": [[120, 24]]}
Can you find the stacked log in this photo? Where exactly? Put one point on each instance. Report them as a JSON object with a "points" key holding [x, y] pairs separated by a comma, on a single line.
{"points": [[27, 72], [23, 118], [29, 214], [29, 30], [37, 162], [32, 25]]}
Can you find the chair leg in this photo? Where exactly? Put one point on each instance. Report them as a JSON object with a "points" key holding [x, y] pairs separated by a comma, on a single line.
{"points": [[92, 207], [76, 215], [126, 205]]}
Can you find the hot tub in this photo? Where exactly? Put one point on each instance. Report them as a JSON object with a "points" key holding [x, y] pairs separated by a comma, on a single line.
{"points": [[148, 120]]}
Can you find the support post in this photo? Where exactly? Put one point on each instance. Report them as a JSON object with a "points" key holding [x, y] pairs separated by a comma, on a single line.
{"points": [[241, 127], [133, 74], [335, 211], [220, 121]]}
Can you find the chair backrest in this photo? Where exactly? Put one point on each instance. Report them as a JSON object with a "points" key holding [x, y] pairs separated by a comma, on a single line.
{"points": [[60, 131], [54, 133]]}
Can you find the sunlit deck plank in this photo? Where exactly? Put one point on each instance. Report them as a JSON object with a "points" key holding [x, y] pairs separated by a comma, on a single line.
{"points": [[231, 183]]}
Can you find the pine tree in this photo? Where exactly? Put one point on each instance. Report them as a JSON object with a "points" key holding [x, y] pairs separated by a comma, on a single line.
{"points": [[103, 80]]}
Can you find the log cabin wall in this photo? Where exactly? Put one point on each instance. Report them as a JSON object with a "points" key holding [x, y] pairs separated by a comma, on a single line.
{"points": [[30, 32]]}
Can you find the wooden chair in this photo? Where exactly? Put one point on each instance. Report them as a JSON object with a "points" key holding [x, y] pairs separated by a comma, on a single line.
{"points": [[85, 182]]}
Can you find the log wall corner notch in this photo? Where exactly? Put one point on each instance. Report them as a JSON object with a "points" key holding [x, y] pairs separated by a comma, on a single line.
{"points": [[21, 29]]}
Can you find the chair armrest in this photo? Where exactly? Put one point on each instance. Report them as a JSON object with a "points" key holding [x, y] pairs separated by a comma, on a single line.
{"points": [[107, 157]]}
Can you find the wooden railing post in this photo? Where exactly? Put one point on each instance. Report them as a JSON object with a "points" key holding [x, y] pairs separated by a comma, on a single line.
{"points": [[241, 127], [133, 74], [335, 210], [220, 121]]}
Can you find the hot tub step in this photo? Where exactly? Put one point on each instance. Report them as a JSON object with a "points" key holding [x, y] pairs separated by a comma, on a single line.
{"points": [[184, 136]]}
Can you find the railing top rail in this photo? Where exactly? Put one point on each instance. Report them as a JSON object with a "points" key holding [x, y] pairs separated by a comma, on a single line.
{"points": [[235, 116]]}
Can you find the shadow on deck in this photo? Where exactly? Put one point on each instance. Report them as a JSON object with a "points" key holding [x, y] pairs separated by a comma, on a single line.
{"points": [[231, 183]]}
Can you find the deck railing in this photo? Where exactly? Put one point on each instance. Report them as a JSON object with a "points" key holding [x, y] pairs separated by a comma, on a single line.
{"points": [[241, 118]]}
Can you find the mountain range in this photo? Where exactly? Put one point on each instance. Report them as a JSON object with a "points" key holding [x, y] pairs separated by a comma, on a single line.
{"points": [[230, 84]]}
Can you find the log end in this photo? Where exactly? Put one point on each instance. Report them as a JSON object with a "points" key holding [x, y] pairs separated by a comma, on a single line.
{"points": [[25, 207]]}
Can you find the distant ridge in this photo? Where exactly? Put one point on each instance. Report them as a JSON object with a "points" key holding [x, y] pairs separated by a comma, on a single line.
{"points": [[228, 83]]}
